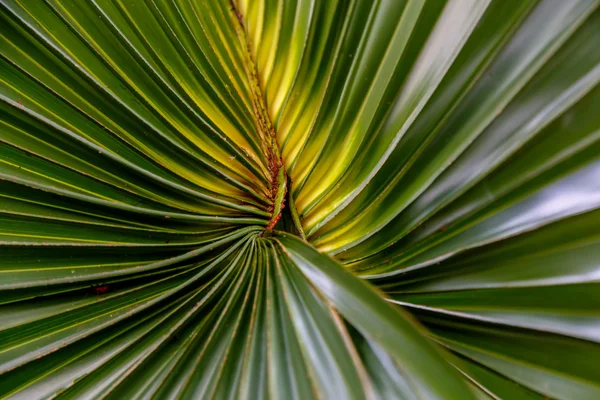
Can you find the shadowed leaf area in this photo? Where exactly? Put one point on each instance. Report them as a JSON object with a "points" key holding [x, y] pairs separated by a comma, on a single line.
{"points": [[300, 199]]}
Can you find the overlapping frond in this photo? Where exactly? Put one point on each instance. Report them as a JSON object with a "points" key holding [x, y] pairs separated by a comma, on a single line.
{"points": [[300, 199]]}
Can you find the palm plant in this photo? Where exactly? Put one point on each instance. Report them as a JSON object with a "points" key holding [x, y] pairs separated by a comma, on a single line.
{"points": [[300, 199]]}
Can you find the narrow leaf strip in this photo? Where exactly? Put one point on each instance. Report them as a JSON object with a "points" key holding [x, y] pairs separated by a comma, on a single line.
{"points": [[364, 308]]}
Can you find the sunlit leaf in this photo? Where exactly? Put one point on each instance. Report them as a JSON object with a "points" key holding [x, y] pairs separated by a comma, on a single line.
{"points": [[295, 199]]}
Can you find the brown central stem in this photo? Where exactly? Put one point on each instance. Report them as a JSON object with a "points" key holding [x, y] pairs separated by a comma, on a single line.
{"points": [[278, 179]]}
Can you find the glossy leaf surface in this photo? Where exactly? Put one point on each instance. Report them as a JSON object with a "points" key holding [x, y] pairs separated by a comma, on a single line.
{"points": [[297, 199]]}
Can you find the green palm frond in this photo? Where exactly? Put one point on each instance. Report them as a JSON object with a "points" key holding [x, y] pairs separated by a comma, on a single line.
{"points": [[296, 199]]}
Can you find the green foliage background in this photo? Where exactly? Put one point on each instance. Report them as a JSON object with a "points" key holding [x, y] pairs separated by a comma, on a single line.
{"points": [[299, 199]]}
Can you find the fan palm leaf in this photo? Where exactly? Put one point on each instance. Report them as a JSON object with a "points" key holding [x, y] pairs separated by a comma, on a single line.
{"points": [[300, 199]]}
